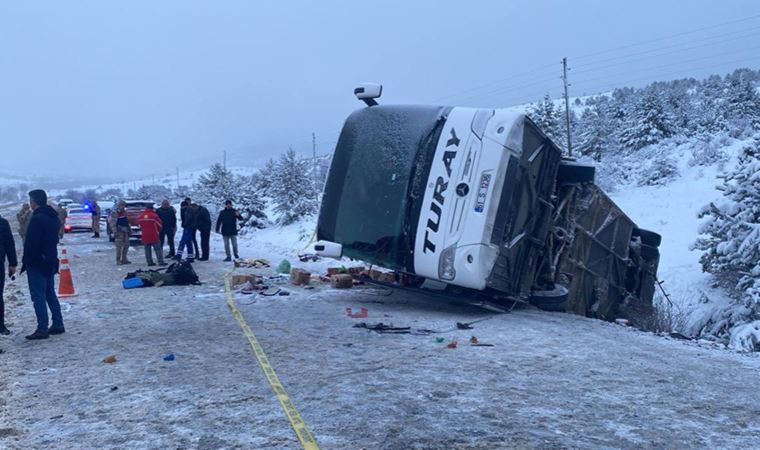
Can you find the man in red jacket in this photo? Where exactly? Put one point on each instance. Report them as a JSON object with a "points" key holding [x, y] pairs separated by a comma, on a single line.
{"points": [[150, 226]]}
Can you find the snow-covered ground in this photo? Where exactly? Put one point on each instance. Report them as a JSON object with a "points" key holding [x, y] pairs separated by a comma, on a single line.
{"points": [[549, 381], [672, 210]]}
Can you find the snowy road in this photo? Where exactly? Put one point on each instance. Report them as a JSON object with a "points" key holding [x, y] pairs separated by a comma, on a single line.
{"points": [[550, 381]]}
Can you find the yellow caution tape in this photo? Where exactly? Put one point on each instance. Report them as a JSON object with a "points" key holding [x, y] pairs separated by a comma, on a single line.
{"points": [[296, 421]]}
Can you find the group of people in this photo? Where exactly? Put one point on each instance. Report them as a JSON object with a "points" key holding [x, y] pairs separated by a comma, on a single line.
{"points": [[40, 235], [41, 228], [158, 226]]}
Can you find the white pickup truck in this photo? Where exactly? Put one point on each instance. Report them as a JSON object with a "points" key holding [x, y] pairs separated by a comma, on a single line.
{"points": [[480, 203]]}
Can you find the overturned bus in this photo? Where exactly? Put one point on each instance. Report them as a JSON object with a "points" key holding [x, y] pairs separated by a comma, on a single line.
{"points": [[480, 205]]}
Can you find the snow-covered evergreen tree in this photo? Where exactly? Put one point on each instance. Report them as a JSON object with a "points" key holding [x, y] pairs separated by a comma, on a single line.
{"points": [[649, 122], [265, 177], [595, 131], [742, 103], [731, 235], [214, 187], [250, 202], [548, 117], [155, 192], [662, 170], [708, 111], [291, 189], [678, 103]]}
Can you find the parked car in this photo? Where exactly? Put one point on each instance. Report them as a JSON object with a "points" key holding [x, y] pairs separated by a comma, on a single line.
{"points": [[134, 208], [78, 219], [66, 203]]}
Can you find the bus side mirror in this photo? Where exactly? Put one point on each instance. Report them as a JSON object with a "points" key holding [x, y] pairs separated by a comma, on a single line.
{"points": [[328, 249], [368, 92]]}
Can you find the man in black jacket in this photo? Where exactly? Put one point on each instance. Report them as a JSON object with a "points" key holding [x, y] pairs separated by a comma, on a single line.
{"points": [[40, 262], [204, 227], [183, 208], [168, 216], [227, 223], [7, 251], [189, 226]]}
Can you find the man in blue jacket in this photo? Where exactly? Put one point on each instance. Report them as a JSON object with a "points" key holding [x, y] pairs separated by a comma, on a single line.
{"points": [[40, 262], [7, 251]]}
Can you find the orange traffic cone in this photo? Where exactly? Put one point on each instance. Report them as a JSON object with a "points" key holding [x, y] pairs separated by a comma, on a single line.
{"points": [[65, 282]]}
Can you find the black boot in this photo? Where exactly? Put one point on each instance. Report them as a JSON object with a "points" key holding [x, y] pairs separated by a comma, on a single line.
{"points": [[4, 330]]}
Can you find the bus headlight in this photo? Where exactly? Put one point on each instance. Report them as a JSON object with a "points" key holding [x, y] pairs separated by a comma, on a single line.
{"points": [[446, 269]]}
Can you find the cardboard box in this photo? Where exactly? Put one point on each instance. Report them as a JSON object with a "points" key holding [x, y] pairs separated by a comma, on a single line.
{"points": [[341, 281], [242, 279], [383, 277], [300, 277]]}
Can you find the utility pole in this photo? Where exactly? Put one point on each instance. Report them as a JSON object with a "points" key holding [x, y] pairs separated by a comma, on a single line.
{"points": [[314, 156], [224, 160], [567, 107], [177, 179]]}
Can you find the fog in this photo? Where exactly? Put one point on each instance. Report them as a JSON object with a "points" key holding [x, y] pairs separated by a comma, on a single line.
{"points": [[109, 90]]}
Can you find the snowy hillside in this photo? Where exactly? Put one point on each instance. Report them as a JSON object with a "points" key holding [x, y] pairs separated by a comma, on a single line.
{"points": [[672, 210]]}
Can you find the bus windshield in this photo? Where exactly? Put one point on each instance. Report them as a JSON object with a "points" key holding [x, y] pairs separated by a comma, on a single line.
{"points": [[380, 164]]}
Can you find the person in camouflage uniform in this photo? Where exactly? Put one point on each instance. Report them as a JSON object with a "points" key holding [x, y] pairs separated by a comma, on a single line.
{"points": [[62, 214], [23, 217], [119, 223]]}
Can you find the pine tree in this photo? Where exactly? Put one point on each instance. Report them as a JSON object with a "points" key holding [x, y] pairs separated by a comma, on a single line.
{"points": [[214, 187], [709, 108], [548, 118], [155, 192], [648, 124], [291, 189], [265, 177], [250, 202], [742, 103], [678, 103], [731, 234], [596, 130]]}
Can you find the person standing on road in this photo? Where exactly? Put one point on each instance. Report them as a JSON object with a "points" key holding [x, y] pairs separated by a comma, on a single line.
{"points": [[150, 228], [7, 251], [119, 222], [23, 217], [168, 216], [62, 215], [204, 227], [227, 223], [189, 225], [187, 202], [40, 262], [95, 210]]}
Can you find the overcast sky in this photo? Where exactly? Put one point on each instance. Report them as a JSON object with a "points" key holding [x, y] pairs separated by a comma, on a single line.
{"points": [[133, 88]]}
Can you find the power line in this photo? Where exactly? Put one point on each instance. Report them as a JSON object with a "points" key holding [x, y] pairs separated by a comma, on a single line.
{"points": [[519, 86], [624, 56], [659, 54], [676, 63], [684, 33], [495, 82], [621, 83]]}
